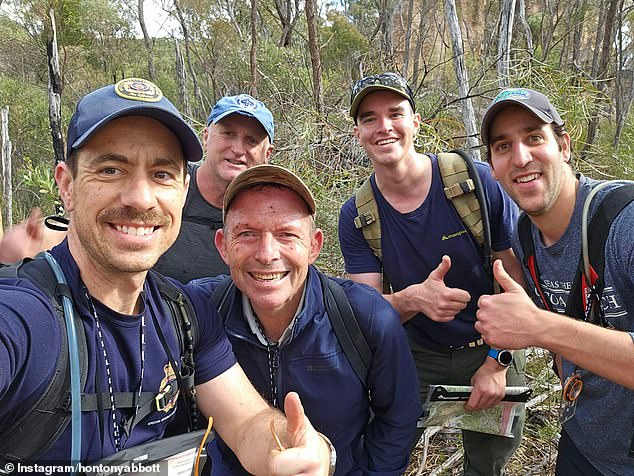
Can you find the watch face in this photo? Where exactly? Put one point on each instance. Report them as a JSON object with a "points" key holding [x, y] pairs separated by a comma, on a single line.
{"points": [[505, 357]]}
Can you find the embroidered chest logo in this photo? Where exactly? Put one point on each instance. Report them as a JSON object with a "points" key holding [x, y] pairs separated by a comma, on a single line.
{"points": [[453, 235]]}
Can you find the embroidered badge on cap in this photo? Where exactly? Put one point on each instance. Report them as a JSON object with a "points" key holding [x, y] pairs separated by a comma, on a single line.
{"points": [[512, 93], [246, 101], [138, 90]]}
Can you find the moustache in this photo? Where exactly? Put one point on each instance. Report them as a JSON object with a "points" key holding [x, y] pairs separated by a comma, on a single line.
{"points": [[130, 215]]}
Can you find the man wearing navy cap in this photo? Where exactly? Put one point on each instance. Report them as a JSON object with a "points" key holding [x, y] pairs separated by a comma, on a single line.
{"points": [[123, 185], [530, 155], [239, 134]]}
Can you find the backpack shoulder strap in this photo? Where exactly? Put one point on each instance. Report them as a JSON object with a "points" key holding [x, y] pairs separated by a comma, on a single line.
{"points": [[597, 234], [346, 327], [185, 324], [369, 221], [463, 187], [39, 427], [459, 188]]}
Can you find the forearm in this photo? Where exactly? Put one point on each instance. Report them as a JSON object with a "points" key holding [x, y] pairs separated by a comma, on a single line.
{"points": [[401, 301], [605, 352]]}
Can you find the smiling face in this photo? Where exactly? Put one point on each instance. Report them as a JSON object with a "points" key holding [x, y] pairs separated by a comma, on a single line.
{"points": [[386, 127], [269, 241], [126, 198], [234, 144], [528, 160]]}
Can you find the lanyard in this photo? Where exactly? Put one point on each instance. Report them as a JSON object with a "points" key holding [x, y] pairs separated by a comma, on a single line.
{"points": [[116, 426]]}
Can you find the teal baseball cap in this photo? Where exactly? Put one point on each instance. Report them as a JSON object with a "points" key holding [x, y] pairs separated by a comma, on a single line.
{"points": [[245, 105]]}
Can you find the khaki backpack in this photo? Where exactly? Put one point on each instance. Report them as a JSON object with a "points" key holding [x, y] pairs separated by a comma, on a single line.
{"points": [[461, 185]]}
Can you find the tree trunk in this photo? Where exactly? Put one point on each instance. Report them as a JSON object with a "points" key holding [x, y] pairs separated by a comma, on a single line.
{"points": [[147, 41], [579, 17], [288, 13], [599, 38], [7, 202], [623, 94], [190, 69], [408, 36], [253, 57], [521, 13], [54, 99], [462, 76], [418, 51], [504, 41], [181, 80], [602, 72], [315, 55]]}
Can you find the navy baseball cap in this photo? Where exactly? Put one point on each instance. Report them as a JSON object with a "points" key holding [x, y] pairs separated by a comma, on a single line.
{"points": [[129, 97], [384, 81], [533, 101], [245, 105]]}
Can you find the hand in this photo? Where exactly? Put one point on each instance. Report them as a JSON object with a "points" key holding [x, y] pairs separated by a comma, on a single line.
{"points": [[28, 238], [308, 453], [437, 301], [489, 383], [509, 320]]}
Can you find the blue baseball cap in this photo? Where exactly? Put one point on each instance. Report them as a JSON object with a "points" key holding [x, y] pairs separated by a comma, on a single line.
{"points": [[245, 105], [129, 97]]}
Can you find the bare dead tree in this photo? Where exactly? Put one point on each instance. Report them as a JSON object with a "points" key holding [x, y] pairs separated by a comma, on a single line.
{"points": [[253, 57], [190, 68], [505, 35], [147, 41], [315, 54], [7, 189], [462, 76], [54, 98]]}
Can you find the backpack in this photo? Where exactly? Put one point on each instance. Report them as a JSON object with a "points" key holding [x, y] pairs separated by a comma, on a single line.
{"points": [[39, 427], [587, 288], [462, 185], [342, 318]]}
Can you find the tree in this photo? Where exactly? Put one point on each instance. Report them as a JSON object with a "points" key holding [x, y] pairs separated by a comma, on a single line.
{"points": [[315, 55], [147, 41], [504, 41], [288, 12]]}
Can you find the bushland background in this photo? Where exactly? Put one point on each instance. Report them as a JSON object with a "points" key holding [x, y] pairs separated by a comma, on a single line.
{"points": [[301, 57]]}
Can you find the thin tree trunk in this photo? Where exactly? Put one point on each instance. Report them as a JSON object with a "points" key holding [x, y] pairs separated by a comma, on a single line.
{"points": [[190, 69], [253, 57], [521, 13], [315, 55], [623, 94], [504, 42], [602, 72], [462, 75], [147, 41], [7, 202], [54, 98], [579, 17], [408, 37], [418, 51], [181, 80], [599, 38]]}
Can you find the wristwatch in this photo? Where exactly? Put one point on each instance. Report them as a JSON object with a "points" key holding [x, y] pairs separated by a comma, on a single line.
{"points": [[333, 454], [503, 357]]}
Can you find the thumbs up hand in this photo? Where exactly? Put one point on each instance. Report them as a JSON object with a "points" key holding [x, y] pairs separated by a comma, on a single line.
{"points": [[508, 320], [439, 302]]}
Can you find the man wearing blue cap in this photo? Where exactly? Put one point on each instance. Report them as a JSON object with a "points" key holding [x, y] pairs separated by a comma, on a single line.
{"points": [[530, 154], [239, 134], [123, 185]]}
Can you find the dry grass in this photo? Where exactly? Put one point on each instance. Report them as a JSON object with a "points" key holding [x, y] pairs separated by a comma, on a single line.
{"points": [[536, 455]]}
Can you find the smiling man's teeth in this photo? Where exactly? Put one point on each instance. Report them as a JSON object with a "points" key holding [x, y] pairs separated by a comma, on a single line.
{"points": [[386, 141], [527, 178], [140, 231], [268, 276]]}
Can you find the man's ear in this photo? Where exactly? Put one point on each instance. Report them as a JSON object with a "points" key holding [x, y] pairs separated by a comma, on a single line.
{"points": [[356, 131], [219, 240], [205, 134], [565, 147], [267, 154], [316, 244], [64, 179]]}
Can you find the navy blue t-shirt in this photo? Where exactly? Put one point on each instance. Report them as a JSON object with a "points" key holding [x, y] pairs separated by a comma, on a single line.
{"points": [[413, 245], [30, 340]]}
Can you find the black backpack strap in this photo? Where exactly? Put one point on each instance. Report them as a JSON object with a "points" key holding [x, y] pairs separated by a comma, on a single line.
{"points": [[39, 427], [185, 324], [346, 327], [610, 207]]}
